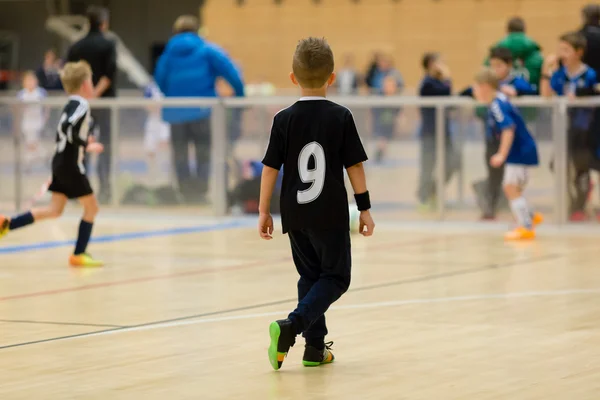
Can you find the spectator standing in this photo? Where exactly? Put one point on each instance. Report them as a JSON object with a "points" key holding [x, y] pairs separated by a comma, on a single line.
{"points": [[591, 32], [33, 118], [157, 134], [47, 74], [384, 118], [386, 81], [567, 75], [435, 83], [385, 68], [372, 71], [527, 55], [348, 78], [190, 67], [101, 54]]}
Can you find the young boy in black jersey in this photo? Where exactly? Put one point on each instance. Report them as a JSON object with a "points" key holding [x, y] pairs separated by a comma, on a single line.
{"points": [[314, 140], [68, 171]]}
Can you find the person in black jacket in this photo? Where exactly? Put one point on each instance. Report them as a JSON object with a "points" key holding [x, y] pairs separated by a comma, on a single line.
{"points": [[591, 31], [47, 73], [435, 83], [101, 54]]}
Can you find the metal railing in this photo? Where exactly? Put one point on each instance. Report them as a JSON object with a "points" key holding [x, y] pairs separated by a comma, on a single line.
{"points": [[218, 167]]}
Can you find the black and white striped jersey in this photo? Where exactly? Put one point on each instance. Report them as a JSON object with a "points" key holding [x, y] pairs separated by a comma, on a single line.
{"points": [[71, 137]]}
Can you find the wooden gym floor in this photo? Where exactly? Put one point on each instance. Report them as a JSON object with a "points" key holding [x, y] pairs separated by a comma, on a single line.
{"points": [[435, 311]]}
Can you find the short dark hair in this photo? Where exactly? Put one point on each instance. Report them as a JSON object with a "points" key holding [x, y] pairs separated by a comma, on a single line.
{"points": [[591, 14], [515, 24], [313, 62], [96, 16], [429, 58], [575, 39], [502, 53]]}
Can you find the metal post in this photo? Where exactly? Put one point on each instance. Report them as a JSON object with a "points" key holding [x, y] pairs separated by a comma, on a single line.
{"points": [[18, 159], [114, 156], [218, 158], [440, 152], [559, 135], [263, 124], [458, 147]]}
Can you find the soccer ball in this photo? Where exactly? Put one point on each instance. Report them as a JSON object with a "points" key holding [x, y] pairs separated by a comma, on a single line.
{"points": [[354, 218]]}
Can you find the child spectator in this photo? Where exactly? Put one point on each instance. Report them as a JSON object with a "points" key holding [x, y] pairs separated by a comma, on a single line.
{"points": [[384, 119], [525, 51], [33, 118], [348, 78], [435, 83], [48, 73], [157, 136], [574, 78]]}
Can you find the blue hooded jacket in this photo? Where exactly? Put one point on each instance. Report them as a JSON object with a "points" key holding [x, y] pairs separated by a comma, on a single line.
{"points": [[189, 67]]}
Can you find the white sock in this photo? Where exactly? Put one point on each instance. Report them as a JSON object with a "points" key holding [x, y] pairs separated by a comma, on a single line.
{"points": [[521, 211]]}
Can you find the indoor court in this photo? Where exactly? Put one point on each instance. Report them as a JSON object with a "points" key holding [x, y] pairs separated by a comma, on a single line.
{"points": [[435, 311]]}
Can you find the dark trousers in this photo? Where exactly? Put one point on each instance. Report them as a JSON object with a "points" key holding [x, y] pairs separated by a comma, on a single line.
{"points": [[581, 157], [494, 180], [428, 162], [101, 119], [198, 134], [324, 263]]}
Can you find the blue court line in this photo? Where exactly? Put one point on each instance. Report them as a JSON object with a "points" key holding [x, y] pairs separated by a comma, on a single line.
{"points": [[126, 236]]}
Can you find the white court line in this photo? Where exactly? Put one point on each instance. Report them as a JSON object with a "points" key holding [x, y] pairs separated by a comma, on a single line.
{"points": [[382, 304]]}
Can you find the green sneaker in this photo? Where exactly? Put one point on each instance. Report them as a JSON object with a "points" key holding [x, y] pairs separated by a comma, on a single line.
{"points": [[282, 338], [314, 357]]}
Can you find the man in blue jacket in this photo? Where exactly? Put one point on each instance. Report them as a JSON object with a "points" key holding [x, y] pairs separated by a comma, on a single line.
{"points": [[190, 67]]}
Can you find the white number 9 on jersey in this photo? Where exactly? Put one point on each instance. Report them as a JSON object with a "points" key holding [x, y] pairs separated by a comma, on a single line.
{"points": [[316, 176]]}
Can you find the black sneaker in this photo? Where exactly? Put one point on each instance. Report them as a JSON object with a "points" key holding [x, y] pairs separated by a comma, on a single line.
{"points": [[282, 338], [314, 357]]}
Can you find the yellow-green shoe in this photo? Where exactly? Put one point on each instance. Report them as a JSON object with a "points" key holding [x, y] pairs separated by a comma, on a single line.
{"points": [[4, 225], [282, 338], [314, 357], [84, 260]]}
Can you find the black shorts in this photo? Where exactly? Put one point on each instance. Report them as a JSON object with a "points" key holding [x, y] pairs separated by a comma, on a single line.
{"points": [[73, 186]]}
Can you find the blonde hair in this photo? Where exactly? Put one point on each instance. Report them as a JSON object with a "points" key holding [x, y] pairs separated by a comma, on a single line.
{"points": [[186, 23], [74, 74], [28, 74], [488, 77]]}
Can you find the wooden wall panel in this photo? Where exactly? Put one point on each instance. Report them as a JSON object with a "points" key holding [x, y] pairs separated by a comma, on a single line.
{"points": [[262, 35]]}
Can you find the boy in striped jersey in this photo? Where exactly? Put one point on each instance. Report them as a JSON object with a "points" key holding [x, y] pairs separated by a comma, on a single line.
{"points": [[68, 170]]}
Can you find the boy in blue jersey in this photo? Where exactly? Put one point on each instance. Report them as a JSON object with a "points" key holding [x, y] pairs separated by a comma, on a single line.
{"points": [[512, 85], [517, 150], [573, 78]]}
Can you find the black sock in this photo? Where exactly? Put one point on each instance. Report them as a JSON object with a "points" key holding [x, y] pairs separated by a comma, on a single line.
{"points": [[85, 232], [20, 221]]}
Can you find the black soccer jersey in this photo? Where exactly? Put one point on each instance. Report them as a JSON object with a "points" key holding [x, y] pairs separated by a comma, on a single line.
{"points": [[72, 137], [314, 140]]}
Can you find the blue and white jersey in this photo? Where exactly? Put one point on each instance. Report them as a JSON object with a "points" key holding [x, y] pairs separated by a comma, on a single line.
{"points": [[503, 115], [33, 117], [562, 84]]}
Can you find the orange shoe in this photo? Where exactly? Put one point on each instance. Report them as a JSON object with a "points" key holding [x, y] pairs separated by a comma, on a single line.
{"points": [[520, 233], [537, 218], [84, 260], [4, 224]]}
